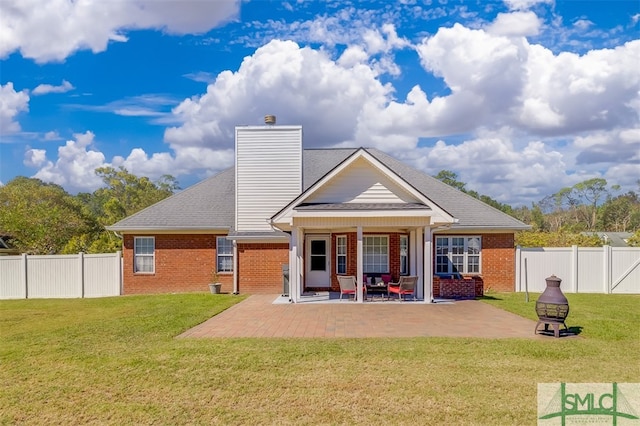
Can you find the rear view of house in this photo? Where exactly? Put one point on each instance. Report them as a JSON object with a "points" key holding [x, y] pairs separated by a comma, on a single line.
{"points": [[321, 213]]}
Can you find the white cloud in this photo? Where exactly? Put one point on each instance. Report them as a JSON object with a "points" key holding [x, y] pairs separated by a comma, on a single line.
{"points": [[43, 89], [35, 157], [515, 24], [11, 104], [74, 168], [525, 4], [51, 30], [300, 85]]}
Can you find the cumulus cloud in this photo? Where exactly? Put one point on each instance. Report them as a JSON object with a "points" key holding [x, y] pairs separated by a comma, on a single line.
{"points": [[299, 84], [74, 167], [43, 89], [525, 4], [77, 160], [11, 104], [515, 24], [51, 30], [494, 164]]}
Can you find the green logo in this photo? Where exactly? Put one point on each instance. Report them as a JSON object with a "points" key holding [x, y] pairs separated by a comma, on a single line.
{"points": [[588, 403]]}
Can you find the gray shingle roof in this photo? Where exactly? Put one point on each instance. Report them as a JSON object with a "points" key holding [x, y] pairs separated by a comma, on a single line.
{"points": [[210, 204]]}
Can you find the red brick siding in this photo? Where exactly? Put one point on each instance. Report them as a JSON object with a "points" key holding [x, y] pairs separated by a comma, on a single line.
{"points": [[457, 288], [183, 263], [260, 267], [498, 262]]}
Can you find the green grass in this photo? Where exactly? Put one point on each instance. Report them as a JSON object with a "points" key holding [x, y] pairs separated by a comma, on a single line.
{"points": [[116, 361]]}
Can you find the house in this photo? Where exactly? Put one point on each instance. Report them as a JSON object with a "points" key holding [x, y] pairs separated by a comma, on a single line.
{"points": [[613, 239], [320, 213]]}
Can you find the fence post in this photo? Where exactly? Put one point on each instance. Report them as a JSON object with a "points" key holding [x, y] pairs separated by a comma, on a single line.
{"points": [[24, 276], [518, 283], [81, 271], [119, 266], [606, 268], [574, 268]]}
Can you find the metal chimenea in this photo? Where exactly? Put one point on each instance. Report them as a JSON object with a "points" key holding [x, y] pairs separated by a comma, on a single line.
{"points": [[552, 307]]}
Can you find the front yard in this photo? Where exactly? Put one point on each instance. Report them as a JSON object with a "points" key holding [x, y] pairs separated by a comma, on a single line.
{"points": [[116, 361]]}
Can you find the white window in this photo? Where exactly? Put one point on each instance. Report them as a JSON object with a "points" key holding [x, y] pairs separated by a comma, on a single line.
{"points": [[458, 255], [341, 254], [404, 255], [375, 256], [144, 254], [224, 252]]}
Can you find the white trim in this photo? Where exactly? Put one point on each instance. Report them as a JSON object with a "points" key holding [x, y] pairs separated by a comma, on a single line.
{"points": [[345, 255], [152, 255], [284, 216]]}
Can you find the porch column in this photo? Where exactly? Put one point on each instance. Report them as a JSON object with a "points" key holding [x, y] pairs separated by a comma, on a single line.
{"points": [[419, 263], [428, 264], [359, 268], [294, 275]]}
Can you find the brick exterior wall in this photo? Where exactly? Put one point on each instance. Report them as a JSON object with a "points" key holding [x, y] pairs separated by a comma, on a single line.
{"points": [[260, 267], [498, 262], [184, 263]]}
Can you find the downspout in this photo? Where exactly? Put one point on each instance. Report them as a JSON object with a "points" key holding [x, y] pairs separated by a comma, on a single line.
{"points": [[235, 267]]}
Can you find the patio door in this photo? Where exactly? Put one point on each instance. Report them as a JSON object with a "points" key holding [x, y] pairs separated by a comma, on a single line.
{"points": [[318, 261]]}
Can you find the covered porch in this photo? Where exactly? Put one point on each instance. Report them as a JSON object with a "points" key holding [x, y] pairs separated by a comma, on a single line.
{"points": [[376, 247]]}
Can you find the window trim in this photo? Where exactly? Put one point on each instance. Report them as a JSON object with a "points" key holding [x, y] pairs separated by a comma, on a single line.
{"points": [[338, 255], [465, 255], [220, 255], [136, 255], [387, 254]]}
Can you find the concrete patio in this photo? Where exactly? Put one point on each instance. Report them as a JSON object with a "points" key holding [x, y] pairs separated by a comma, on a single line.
{"points": [[269, 316]]}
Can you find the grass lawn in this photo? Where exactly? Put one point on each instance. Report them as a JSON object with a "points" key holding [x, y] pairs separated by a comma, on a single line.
{"points": [[116, 361]]}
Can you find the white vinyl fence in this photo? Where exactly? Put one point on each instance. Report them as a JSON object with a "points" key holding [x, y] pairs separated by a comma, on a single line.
{"points": [[582, 269], [60, 276]]}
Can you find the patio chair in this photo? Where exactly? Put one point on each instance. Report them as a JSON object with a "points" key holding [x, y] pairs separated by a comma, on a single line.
{"points": [[347, 286], [406, 285]]}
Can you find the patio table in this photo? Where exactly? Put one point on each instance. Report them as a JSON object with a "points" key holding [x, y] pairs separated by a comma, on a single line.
{"points": [[377, 289]]}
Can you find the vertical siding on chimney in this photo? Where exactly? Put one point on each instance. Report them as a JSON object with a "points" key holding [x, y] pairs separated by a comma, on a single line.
{"points": [[268, 173]]}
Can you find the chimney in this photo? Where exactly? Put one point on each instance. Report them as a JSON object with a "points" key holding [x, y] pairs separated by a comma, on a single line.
{"points": [[268, 172]]}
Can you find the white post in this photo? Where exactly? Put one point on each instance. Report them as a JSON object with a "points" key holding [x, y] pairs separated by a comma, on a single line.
{"points": [[235, 267], [518, 278], [294, 280], [606, 269], [428, 265], [81, 272], [120, 273], [24, 275], [574, 269], [359, 266]]}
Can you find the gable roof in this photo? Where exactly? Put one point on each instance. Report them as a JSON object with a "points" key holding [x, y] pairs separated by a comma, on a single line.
{"points": [[308, 200], [209, 205]]}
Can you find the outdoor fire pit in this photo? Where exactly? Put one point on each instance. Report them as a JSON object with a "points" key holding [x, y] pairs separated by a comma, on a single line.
{"points": [[552, 307]]}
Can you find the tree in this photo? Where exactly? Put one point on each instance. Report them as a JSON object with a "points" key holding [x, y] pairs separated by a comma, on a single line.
{"points": [[42, 217], [123, 195]]}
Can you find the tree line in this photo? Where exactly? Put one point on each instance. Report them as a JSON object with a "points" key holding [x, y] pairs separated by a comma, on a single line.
{"points": [[42, 218], [571, 215]]}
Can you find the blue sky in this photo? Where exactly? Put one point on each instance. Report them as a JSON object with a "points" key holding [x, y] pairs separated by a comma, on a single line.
{"points": [[519, 98]]}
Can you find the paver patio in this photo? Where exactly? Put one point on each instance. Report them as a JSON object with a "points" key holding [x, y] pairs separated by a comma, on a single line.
{"points": [[258, 316]]}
